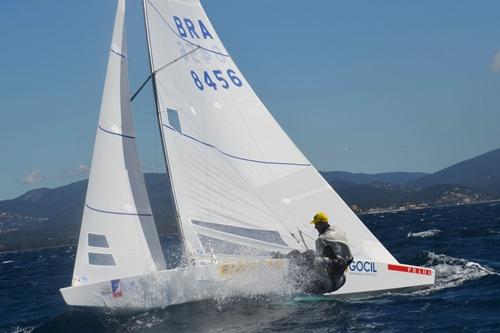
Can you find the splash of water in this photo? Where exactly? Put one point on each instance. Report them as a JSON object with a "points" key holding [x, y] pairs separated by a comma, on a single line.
{"points": [[452, 272], [19, 329], [210, 281]]}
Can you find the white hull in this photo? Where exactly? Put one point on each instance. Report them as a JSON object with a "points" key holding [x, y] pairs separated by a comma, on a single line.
{"points": [[216, 281], [372, 277]]}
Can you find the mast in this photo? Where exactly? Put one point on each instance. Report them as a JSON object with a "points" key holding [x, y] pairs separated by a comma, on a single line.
{"points": [[160, 122]]}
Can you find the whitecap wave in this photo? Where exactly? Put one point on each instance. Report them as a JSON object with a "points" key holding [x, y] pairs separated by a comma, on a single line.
{"points": [[452, 272], [19, 329], [424, 234], [7, 261]]}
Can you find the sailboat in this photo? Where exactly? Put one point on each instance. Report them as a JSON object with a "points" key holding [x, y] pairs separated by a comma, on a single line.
{"points": [[242, 190]]}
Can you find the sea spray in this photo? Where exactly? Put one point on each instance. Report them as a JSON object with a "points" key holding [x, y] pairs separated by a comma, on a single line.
{"points": [[452, 272]]}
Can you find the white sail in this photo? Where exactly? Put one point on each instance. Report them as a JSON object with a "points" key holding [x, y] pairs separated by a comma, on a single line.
{"points": [[241, 186], [118, 236]]}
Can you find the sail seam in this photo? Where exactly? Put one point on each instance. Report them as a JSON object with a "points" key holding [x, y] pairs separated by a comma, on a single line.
{"points": [[113, 133], [184, 39], [234, 156], [115, 213]]}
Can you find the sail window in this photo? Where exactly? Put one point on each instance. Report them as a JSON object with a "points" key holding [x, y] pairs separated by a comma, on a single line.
{"points": [[173, 119], [269, 236], [219, 246], [101, 259], [96, 240]]}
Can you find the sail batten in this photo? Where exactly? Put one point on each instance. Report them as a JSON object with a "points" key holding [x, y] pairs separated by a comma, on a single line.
{"points": [[116, 213], [131, 136]]}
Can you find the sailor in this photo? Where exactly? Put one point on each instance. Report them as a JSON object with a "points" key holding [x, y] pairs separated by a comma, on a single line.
{"points": [[332, 250]]}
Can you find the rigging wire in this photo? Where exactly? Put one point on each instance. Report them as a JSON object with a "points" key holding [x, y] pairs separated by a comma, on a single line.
{"points": [[302, 238], [307, 235], [159, 69]]}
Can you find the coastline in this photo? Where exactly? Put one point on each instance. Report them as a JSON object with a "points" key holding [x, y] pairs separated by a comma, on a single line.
{"points": [[404, 209]]}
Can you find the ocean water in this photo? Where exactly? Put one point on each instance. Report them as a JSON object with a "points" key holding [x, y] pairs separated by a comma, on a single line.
{"points": [[461, 243]]}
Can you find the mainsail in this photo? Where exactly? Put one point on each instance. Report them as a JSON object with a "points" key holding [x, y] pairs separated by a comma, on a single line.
{"points": [[241, 186], [118, 237]]}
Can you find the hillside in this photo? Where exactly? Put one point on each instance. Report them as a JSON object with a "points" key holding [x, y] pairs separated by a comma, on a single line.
{"points": [[383, 196], [481, 172], [398, 178], [44, 217]]}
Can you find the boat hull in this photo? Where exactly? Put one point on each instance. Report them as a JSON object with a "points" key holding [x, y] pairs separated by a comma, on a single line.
{"points": [[221, 280], [369, 277], [182, 285]]}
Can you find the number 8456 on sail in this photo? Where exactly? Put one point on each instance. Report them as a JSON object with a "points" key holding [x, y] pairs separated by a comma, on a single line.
{"points": [[219, 79]]}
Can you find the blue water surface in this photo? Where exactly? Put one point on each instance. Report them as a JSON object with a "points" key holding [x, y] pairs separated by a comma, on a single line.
{"points": [[461, 243]]}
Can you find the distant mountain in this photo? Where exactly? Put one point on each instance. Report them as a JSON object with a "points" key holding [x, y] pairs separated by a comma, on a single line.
{"points": [[44, 217], [481, 172], [398, 178]]}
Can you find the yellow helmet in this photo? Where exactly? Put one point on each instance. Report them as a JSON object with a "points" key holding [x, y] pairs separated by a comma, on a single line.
{"points": [[320, 217]]}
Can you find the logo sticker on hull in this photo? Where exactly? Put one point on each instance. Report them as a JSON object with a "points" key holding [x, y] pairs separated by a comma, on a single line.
{"points": [[409, 269], [363, 268], [116, 288]]}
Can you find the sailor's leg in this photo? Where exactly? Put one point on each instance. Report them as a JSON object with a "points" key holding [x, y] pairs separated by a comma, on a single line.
{"points": [[336, 273]]}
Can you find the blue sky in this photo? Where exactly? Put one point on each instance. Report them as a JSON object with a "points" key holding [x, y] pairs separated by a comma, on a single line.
{"points": [[359, 86]]}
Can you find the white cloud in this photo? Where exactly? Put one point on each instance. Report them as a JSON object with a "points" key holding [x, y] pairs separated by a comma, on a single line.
{"points": [[33, 177], [81, 170], [495, 63]]}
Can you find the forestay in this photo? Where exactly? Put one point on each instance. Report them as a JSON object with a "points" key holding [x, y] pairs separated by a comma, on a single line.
{"points": [[118, 237], [242, 188]]}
